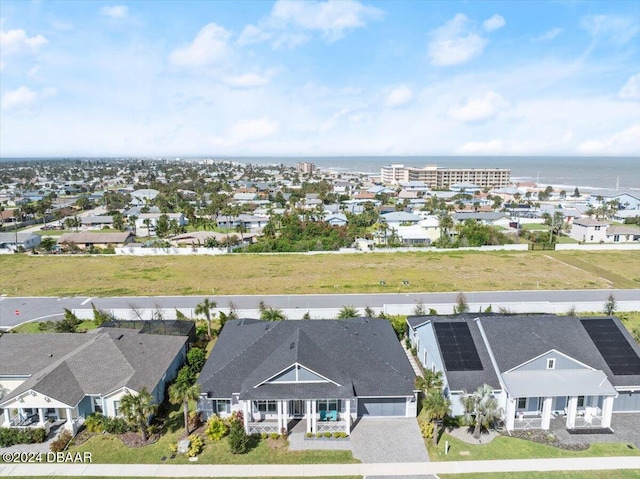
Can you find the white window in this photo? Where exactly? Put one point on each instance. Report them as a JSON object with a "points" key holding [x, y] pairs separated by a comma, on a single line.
{"points": [[522, 403], [116, 408], [266, 406], [580, 401], [551, 363], [97, 404], [327, 405], [223, 406]]}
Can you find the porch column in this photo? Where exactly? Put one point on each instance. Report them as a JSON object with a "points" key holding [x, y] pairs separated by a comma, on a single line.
{"points": [[245, 415], [69, 424], [285, 416], [279, 409], [308, 414], [572, 409], [607, 410], [20, 414], [314, 419], [547, 404], [347, 410], [7, 418], [510, 414], [40, 416]]}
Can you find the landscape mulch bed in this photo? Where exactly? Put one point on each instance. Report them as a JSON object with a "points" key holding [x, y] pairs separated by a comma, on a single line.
{"points": [[595, 430], [549, 439]]}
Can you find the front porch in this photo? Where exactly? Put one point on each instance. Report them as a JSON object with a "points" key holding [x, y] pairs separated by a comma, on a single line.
{"points": [[41, 417], [320, 415]]}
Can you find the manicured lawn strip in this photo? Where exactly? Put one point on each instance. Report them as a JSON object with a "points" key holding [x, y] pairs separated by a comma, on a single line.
{"points": [[616, 474], [513, 448], [137, 477], [33, 327], [326, 273]]}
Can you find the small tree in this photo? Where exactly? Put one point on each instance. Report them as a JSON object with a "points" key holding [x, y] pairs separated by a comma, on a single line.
{"points": [[196, 357], [183, 391], [348, 312], [238, 439], [306, 315], [369, 312], [137, 408], [480, 408], [461, 304], [419, 309], [204, 308], [100, 316], [47, 243], [69, 323], [610, 306], [272, 314], [437, 407]]}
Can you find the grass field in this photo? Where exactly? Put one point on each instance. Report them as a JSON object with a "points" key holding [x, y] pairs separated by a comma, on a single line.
{"points": [[322, 273], [513, 448], [617, 474]]}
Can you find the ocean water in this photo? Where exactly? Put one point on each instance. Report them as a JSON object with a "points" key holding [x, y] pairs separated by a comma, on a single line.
{"points": [[567, 172]]}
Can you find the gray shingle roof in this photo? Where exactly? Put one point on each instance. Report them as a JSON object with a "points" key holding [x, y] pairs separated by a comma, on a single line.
{"points": [[81, 364], [362, 355]]}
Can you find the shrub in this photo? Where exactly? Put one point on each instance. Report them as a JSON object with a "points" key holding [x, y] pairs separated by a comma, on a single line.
{"points": [[10, 437], [196, 446], [173, 448], [426, 428], [337, 434], [264, 435], [195, 420], [327, 434], [274, 435], [216, 428], [318, 435], [238, 439], [196, 357], [61, 442], [115, 425], [309, 434], [95, 422]]}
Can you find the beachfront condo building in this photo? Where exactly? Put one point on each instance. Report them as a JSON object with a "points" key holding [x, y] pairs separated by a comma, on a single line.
{"points": [[440, 178], [305, 168]]}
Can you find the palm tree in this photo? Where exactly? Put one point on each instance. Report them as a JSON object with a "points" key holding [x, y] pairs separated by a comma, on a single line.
{"points": [[445, 222], [137, 408], [183, 392], [204, 308], [147, 223], [272, 314], [348, 312], [480, 408], [437, 407]]}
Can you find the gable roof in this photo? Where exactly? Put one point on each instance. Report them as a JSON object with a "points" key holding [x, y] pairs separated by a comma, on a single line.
{"points": [[361, 356], [98, 364], [96, 238]]}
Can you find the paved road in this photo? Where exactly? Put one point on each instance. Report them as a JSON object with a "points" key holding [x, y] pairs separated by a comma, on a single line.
{"points": [[51, 308], [320, 470]]}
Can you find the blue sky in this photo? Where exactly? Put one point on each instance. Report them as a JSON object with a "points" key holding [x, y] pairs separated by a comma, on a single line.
{"points": [[319, 78]]}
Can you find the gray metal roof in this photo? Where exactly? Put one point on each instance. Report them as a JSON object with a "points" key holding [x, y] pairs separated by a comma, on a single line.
{"points": [[362, 356], [98, 364], [558, 382]]}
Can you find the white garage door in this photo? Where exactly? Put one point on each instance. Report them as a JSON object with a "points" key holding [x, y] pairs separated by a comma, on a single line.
{"points": [[381, 407]]}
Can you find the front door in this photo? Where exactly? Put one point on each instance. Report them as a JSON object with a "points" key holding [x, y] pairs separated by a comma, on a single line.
{"points": [[296, 408]]}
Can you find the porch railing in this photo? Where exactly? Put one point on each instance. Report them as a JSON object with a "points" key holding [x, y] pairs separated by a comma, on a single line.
{"points": [[331, 426], [260, 427], [527, 422]]}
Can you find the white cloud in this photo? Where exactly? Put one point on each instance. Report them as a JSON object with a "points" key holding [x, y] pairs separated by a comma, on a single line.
{"points": [[289, 20], [480, 109], [115, 11], [631, 90], [625, 142], [455, 42], [399, 96], [492, 147], [17, 41], [247, 80], [246, 131], [546, 36], [617, 29], [494, 23], [208, 47], [19, 99]]}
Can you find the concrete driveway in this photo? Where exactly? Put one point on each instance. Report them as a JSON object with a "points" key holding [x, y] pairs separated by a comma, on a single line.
{"points": [[388, 440]]}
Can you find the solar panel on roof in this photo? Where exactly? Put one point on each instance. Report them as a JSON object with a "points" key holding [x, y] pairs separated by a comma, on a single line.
{"points": [[457, 347], [620, 356]]}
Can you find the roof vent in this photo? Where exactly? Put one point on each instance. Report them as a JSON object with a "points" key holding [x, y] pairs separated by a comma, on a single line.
{"points": [[50, 355], [120, 337], [292, 345]]}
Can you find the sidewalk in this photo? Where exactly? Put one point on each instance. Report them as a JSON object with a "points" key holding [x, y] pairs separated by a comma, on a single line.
{"points": [[416, 368], [326, 470]]}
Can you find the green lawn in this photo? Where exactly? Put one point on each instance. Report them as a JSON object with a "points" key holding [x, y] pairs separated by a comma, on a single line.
{"points": [[617, 474], [503, 447], [124, 477], [34, 327]]}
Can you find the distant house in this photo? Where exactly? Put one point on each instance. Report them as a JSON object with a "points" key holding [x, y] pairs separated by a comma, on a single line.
{"points": [[96, 222], [143, 197], [69, 376], [336, 219], [326, 373], [400, 218], [577, 370], [622, 234], [153, 220], [589, 230], [98, 240], [486, 218], [26, 241]]}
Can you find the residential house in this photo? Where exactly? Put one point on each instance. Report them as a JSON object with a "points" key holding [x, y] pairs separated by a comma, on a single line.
{"points": [[578, 370], [400, 218], [26, 241], [141, 222], [97, 240], [622, 234], [336, 219], [589, 230], [326, 373], [143, 197], [64, 376], [96, 222], [485, 218]]}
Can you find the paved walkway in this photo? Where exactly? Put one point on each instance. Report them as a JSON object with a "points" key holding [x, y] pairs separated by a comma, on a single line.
{"points": [[464, 435], [322, 470], [298, 441], [416, 368]]}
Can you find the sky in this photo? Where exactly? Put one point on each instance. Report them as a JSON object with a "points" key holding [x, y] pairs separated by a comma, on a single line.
{"points": [[319, 78]]}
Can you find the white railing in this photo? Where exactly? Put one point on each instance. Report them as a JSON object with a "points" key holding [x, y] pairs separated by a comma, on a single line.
{"points": [[260, 427], [527, 422], [331, 426]]}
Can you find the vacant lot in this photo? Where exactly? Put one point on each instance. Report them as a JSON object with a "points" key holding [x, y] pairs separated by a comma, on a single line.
{"points": [[41, 275]]}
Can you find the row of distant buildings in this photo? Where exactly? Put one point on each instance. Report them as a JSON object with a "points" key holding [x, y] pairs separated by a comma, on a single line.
{"points": [[440, 178]]}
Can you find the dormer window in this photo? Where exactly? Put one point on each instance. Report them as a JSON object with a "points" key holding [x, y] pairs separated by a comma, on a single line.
{"points": [[551, 363]]}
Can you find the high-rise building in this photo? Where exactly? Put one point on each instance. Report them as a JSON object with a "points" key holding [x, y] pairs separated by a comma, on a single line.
{"points": [[441, 178], [305, 168]]}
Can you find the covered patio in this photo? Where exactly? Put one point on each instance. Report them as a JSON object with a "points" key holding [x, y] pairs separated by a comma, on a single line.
{"points": [[583, 398]]}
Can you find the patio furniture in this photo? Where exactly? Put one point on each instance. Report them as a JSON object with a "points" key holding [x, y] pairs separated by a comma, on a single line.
{"points": [[332, 415], [323, 415]]}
